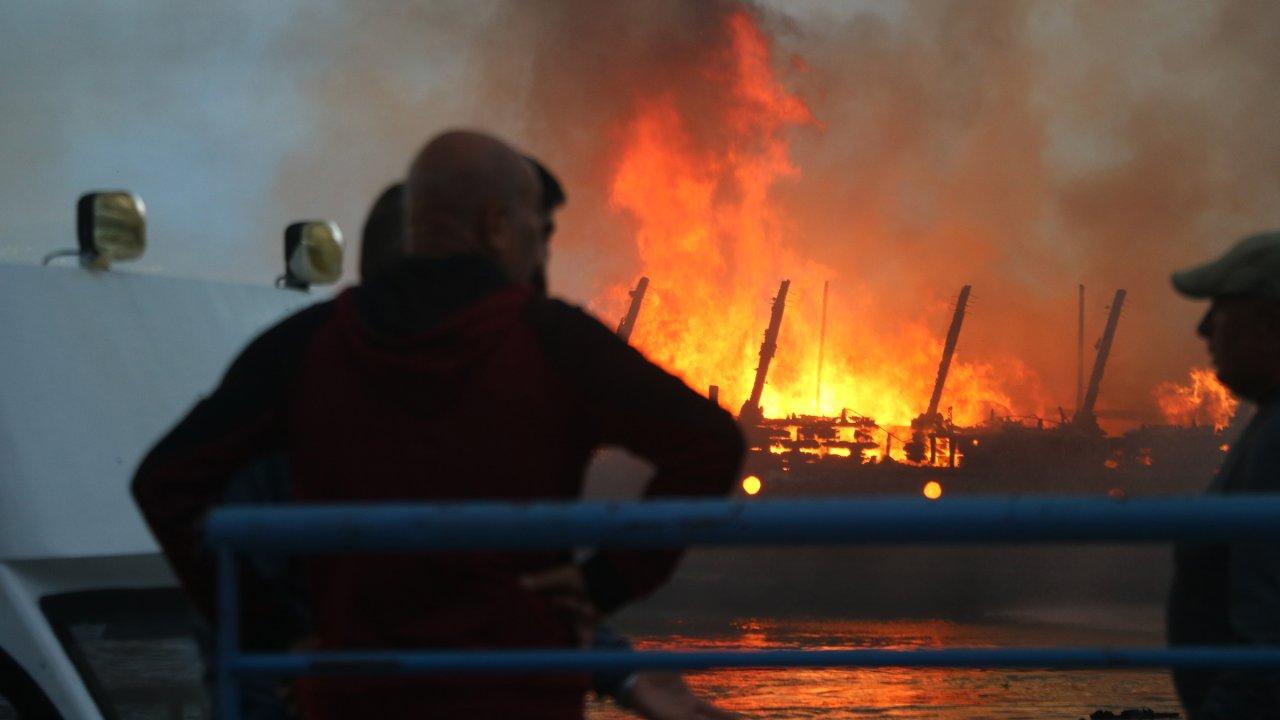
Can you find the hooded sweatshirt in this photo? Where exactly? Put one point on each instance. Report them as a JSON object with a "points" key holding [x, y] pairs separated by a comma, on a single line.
{"points": [[437, 381]]}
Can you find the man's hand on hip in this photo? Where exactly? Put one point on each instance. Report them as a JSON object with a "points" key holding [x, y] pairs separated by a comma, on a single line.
{"points": [[666, 696], [565, 589]]}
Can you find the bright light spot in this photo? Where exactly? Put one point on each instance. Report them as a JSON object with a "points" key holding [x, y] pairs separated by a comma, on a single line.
{"points": [[1111, 464], [975, 442], [933, 490], [1224, 447], [751, 484]]}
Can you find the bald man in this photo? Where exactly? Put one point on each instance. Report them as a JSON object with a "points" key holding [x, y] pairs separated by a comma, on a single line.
{"points": [[446, 376]]}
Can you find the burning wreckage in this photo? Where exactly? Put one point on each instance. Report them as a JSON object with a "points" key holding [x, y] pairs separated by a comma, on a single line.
{"points": [[853, 454]]}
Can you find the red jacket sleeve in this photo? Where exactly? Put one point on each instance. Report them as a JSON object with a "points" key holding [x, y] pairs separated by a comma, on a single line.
{"points": [[695, 446], [188, 471]]}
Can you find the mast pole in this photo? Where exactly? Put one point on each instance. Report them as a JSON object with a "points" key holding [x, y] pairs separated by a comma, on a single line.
{"points": [[1085, 416], [1080, 353], [628, 322], [822, 346], [751, 412], [948, 351]]}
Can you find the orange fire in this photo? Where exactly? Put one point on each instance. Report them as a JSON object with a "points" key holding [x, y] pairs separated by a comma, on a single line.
{"points": [[715, 246], [1202, 400]]}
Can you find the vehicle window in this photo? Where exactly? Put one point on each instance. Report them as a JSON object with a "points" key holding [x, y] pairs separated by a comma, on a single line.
{"points": [[135, 650]]}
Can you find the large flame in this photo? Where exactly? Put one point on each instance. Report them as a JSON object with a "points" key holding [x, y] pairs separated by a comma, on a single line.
{"points": [[1202, 400], [716, 248]]}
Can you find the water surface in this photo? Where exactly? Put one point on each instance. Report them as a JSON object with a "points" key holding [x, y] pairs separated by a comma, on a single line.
{"points": [[902, 693]]}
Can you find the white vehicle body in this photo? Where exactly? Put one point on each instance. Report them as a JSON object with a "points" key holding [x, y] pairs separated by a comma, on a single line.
{"points": [[94, 368]]}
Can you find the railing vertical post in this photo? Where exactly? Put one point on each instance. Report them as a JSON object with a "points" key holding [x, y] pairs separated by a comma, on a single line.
{"points": [[227, 694]]}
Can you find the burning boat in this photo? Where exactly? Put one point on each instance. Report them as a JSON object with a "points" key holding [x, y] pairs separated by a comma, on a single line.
{"points": [[852, 454], [800, 454]]}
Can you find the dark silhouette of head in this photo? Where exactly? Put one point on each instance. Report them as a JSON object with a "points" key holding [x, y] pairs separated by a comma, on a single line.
{"points": [[382, 240], [472, 194], [552, 198], [1242, 325], [1243, 335]]}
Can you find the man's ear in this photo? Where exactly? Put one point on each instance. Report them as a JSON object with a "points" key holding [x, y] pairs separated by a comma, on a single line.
{"points": [[494, 227]]}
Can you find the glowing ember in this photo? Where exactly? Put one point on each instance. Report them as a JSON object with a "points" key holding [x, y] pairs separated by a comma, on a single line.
{"points": [[715, 245], [932, 490], [751, 485], [1202, 400]]}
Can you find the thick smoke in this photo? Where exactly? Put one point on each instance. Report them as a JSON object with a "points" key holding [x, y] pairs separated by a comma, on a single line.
{"points": [[1019, 147], [556, 78], [1028, 147]]}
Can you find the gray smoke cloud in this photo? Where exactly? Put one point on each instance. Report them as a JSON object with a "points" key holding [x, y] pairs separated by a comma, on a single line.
{"points": [[1025, 147], [1019, 146]]}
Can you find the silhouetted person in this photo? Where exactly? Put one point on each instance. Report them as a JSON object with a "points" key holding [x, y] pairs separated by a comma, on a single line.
{"points": [[1230, 594], [654, 695], [444, 377], [382, 239]]}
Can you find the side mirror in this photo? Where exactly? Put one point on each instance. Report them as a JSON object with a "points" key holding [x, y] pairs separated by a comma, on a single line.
{"points": [[312, 254], [111, 226]]}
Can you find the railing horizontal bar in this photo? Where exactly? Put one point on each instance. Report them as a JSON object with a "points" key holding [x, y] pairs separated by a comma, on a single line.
{"points": [[367, 663], [666, 523]]}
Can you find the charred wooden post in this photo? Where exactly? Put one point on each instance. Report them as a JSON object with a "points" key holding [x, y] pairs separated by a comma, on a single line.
{"points": [[930, 421], [713, 394], [1086, 417], [948, 351], [751, 413], [1080, 353], [628, 323], [822, 346]]}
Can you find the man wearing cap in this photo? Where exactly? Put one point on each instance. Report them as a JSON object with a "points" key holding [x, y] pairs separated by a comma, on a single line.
{"points": [[1230, 594]]}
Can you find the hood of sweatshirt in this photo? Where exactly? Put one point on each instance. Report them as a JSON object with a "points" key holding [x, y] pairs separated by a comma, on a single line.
{"points": [[425, 325]]}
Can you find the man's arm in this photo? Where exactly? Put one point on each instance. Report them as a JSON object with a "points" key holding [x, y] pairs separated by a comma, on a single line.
{"points": [[695, 446], [188, 471], [1252, 577], [1254, 568]]}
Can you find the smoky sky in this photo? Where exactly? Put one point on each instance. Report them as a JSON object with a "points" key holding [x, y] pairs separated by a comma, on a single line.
{"points": [[1021, 147]]}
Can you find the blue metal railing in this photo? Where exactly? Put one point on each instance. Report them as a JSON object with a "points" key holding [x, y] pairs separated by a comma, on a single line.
{"points": [[666, 524]]}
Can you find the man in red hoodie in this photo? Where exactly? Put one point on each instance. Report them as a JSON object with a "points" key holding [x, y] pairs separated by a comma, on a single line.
{"points": [[445, 377]]}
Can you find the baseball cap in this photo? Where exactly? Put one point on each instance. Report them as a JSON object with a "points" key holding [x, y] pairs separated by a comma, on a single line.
{"points": [[1250, 268]]}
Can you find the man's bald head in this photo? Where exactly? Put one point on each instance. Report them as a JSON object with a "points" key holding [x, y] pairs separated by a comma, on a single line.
{"points": [[470, 193]]}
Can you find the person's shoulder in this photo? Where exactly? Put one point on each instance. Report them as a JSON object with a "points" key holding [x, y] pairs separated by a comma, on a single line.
{"points": [[555, 319], [309, 317], [550, 309], [1264, 455], [283, 342], [579, 346], [1268, 419], [296, 327]]}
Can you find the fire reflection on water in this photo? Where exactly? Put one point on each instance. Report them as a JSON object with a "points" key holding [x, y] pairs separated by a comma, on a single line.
{"points": [[942, 694]]}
